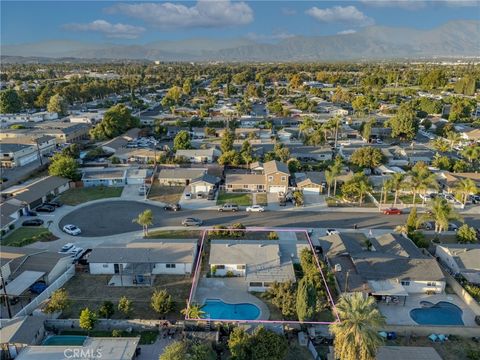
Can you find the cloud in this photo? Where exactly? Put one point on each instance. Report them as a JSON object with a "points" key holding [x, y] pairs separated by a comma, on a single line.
{"points": [[461, 3], [420, 4], [204, 14], [347, 32], [120, 31], [269, 37], [341, 14], [288, 11]]}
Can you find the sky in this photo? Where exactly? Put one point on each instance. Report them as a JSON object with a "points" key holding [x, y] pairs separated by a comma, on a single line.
{"points": [[263, 21]]}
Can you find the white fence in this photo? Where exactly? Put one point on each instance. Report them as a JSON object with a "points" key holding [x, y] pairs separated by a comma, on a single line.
{"points": [[44, 295]]}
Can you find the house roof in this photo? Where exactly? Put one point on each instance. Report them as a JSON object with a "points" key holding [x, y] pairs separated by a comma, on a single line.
{"points": [[275, 166], [39, 188], [311, 177], [300, 151], [206, 178], [195, 152], [179, 251], [407, 352], [181, 173], [104, 174], [41, 260], [21, 330], [13, 148], [465, 255], [244, 179]]}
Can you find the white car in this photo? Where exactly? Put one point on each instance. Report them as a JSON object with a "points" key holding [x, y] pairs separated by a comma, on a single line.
{"points": [[332, 232], [72, 230], [188, 196], [255, 208], [66, 248]]}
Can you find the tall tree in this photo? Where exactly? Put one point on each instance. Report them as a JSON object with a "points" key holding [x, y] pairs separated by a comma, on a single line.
{"points": [[226, 143], [10, 102], [396, 183], [58, 302], [420, 179], [367, 157], [306, 300], [145, 219], [87, 319], [182, 141], [125, 306], [57, 104], [356, 336], [441, 213], [115, 122], [404, 124], [464, 188], [261, 345], [64, 166]]}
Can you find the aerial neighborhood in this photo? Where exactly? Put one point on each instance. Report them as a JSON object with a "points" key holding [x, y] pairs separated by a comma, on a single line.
{"points": [[154, 209]]}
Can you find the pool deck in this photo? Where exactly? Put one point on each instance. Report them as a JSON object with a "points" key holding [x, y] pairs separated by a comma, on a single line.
{"points": [[229, 290], [398, 314]]}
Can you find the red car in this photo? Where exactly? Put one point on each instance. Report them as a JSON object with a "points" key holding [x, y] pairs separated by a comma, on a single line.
{"points": [[392, 211]]}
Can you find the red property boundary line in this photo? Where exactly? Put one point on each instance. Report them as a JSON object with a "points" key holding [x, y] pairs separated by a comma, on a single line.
{"points": [[262, 229]]}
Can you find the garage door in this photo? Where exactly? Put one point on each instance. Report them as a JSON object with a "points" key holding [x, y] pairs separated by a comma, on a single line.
{"points": [[200, 189], [311, 190], [276, 189]]}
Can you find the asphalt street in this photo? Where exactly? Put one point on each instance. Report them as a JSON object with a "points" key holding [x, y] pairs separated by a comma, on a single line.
{"points": [[110, 218]]}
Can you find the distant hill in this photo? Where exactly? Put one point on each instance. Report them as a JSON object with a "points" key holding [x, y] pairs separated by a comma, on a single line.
{"points": [[452, 39]]}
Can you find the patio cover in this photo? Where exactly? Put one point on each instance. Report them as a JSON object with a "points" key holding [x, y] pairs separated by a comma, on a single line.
{"points": [[387, 288], [22, 282]]}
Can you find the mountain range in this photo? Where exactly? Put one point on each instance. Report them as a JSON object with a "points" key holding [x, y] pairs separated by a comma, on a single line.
{"points": [[453, 39]]}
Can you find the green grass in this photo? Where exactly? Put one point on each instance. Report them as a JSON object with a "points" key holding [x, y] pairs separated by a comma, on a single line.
{"points": [[146, 337], [173, 234], [27, 235], [83, 195], [408, 199], [241, 199]]}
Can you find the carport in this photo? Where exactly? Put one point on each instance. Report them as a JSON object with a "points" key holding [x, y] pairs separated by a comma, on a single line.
{"points": [[388, 290], [23, 282]]}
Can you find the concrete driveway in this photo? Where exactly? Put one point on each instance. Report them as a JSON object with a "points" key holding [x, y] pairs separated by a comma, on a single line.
{"points": [[130, 192], [198, 203]]}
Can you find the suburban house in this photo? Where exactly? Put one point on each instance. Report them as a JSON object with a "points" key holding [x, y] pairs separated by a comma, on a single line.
{"points": [[260, 262], [116, 176], [44, 144], [449, 180], [303, 153], [387, 265], [179, 176], [20, 332], [17, 155], [468, 133], [461, 259], [110, 348], [10, 212], [138, 262], [139, 156], [203, 184], [198, 156], [35, 193], [311, 182], [62, 132], [274, 179], [399, 353]]}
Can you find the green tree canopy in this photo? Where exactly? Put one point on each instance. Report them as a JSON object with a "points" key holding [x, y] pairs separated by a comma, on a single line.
{"points": [[59, 301], [116, 121], [10, 102], [306, 299], [144, 219], [226, 143], [161, 301], [57, 104], [367, 157], [87, 319], [125, 305], [64, 166], [261, 345], [182, 350], [182, 141], [404, 123], [466, 234]]}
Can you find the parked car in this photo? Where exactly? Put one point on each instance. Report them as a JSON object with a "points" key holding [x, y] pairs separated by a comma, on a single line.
{"points": [[143, 190], [77, 253], [72, 230], [172, 207], [452, 227], [38, 287], [332, 232], [255, 208], [229, 207], [66, 248], [55, 203], [282, 202], [475, 199], [211, 195], [428, 225], [33, 222], [188, 196], [45, 208], [392, 211], [192, 222], [30, 213]]}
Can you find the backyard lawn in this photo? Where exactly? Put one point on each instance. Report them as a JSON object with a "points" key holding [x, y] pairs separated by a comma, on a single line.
{"points": [[82, 195], [165, 194], [241, 199], [91, 291], [27, 235]]}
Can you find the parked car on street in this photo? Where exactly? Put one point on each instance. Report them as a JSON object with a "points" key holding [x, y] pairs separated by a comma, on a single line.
{"points": [[332, 232], [55, 203], [192, 222], [255, 208], [172, 207], [45, 208], [33, 222], [229, 207], [188, 196], [392, 211], [66, 248], [30, 213], [211, 195], [72, 230]]}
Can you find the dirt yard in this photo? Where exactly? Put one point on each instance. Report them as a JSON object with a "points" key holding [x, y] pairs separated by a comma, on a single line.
{"points": [[87, 290], [165, 194]]}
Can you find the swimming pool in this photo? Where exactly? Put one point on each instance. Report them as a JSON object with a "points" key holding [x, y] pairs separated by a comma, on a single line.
{"points": [[441, 313], [217, 309], [64, 340]]}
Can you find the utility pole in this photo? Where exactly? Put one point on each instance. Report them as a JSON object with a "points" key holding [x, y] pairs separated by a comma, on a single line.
{"points": [[5, 295]]}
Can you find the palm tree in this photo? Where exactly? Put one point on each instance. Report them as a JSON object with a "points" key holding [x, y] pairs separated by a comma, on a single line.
{"points": [[396, 183], [335, 170], [329, 179], [421, 179], [364, 186], [440, 144], [145, 219], [453, 138], [441, 213], [471, 153], [464, 188], [194, 311], [356, 335]]}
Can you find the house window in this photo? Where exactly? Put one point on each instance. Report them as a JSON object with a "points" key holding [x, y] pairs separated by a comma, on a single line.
{"points": [[105, 265], [270, 178], [220, 267], [267, 284], [230, 186], [245, 186], [240, 267], [256, 284], [431, 283], [284, 178], [171, 266], [260, 187], [405, 283]]}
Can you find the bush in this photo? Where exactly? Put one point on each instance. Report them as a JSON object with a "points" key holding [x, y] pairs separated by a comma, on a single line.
{"points": [[230, 274], [117, 333], [11, 226], [272, 235], [419, 239], [466, 234]]}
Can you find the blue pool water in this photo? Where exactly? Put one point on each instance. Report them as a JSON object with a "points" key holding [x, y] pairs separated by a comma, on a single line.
{"points": [[217, 309], [64, 340], [442, 313]]}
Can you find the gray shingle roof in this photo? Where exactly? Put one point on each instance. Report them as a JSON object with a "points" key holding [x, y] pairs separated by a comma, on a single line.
{"points": [[275, 166], [181, 173]]}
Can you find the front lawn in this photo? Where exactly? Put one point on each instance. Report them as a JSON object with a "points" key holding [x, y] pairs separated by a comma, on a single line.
{"points": [[27, 235], [408, 199], [82, 195], [241, 199], [262, 199], [174, 234], [165, 194]]}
